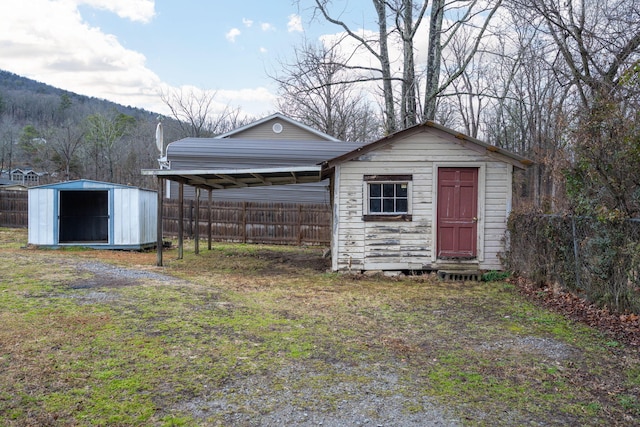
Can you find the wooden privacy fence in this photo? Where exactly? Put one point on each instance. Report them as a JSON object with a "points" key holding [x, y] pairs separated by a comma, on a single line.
{"points": [[252, 222], [14, 209], [246, 222]]}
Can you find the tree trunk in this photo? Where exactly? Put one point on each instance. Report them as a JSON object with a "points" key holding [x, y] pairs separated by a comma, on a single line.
{"points": [[385, 65], [434, 58], [408, 113]]}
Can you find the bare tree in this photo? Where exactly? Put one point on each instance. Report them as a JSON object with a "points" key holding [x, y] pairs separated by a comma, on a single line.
{"points": [[595, 41], [402, 19], [378, 47], [460, 14], [65, 142], [8, 138], [195, 112], [313, 90], [104, 133], [407, 27]]}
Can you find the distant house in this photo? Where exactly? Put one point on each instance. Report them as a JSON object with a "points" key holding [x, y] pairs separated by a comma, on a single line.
{"points": [[274, 141], [26, 176], [280, 127]]}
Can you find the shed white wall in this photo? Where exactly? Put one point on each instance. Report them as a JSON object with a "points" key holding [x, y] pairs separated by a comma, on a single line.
{"points": [[400, 245], [42, 216], [134, 216]]}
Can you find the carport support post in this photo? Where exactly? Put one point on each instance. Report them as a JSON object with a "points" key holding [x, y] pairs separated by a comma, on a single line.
{"points": [[209, 220], [159, 223], [197, 221], [180, 220]]}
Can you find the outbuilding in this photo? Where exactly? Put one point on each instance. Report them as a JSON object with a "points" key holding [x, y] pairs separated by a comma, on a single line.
{"points": [[425, 198], [93, 214]]}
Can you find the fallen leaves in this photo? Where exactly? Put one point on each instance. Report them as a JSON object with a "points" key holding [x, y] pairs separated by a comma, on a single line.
{"points": [[622, 327]]}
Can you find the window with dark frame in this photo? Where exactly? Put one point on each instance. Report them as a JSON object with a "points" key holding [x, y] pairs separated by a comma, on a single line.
{"points": [[388, 197]]}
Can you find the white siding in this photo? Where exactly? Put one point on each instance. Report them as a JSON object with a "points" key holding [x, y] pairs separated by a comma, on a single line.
{"points": [[125, 216], [134, 216], [148, 209], [265, 131], [42, 216], [383, 245]]}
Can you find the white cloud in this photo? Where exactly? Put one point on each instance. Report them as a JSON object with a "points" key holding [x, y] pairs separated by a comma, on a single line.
{"points": [[232, 34], [295, 24], [247, 22], [265, 26], [135, 10], [49, 41], [263, 50], [253, 101]]}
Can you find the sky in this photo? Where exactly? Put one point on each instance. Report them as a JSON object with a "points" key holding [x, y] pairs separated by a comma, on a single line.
{"points": [[131, 51]]}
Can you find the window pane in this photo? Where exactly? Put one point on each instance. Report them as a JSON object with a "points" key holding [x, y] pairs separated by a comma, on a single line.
{"points": [[388, 205], [387, 190], [374, 205], [401, 190], [401, 205], [374, 190]]}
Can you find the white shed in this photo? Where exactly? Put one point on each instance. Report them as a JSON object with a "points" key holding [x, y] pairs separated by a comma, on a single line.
{"points": [[92, 214], [426, 198]]}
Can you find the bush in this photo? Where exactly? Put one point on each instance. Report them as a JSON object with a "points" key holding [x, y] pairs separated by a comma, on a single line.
{"points": [[595, 258]]}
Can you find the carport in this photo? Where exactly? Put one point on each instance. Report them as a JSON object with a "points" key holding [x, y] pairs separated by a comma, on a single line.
{"points": [[221, 179]]}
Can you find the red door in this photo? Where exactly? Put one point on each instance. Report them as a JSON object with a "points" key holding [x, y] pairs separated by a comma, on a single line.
{"points": [[457, 212]]}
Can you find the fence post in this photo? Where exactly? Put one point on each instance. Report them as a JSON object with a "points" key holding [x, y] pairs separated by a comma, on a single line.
{"points": [[180, 220], [209, 227], [575, 252], [299, 225], [244, 222], [191, 218], [196, 232]]}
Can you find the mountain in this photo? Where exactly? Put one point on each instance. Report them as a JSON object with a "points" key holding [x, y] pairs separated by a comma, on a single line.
{"points": [[23, 92]]}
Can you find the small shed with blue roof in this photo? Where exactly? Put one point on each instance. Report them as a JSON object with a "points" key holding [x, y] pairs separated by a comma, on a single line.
{"points": [[92, 214]]}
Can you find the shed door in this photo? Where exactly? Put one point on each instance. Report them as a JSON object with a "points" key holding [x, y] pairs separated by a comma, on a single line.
{"points": [[84, 217], [457, 212]]}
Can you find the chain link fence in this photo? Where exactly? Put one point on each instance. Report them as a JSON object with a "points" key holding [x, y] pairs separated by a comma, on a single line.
{"points": [[597, 260]]}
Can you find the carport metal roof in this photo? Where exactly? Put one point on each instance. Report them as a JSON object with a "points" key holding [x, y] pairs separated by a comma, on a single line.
{"points": [[218, 179]]}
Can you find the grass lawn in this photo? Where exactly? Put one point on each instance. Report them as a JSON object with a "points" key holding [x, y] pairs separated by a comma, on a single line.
{"points": [[236, 334]]}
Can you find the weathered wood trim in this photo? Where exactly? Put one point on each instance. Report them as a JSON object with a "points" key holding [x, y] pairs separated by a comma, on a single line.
{"points": [[401, 217], [335, 220], [387, 178]]}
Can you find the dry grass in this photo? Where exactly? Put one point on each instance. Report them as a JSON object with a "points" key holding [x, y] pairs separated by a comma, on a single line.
{"points": [[78, 348]]}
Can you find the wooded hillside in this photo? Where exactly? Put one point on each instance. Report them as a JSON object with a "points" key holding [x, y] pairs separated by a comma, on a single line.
{"points": [[71, 136]]}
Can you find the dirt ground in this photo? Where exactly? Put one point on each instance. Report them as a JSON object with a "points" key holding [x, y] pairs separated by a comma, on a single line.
{"points": [[402, 343]]}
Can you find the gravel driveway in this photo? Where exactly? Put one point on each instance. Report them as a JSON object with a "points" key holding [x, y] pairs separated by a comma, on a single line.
{"points": [[374, 400]]}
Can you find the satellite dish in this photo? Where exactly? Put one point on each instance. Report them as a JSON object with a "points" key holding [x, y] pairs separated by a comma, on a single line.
{"points": [[159, 138]]}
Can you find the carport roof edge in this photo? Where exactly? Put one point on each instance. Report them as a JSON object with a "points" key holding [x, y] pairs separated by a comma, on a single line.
{"points": [[218, 179]]}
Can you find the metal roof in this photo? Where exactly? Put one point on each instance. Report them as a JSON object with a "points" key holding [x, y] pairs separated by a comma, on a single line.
{"points": [[82, 184], [240, 163], [213, 153], [240, 178]]}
